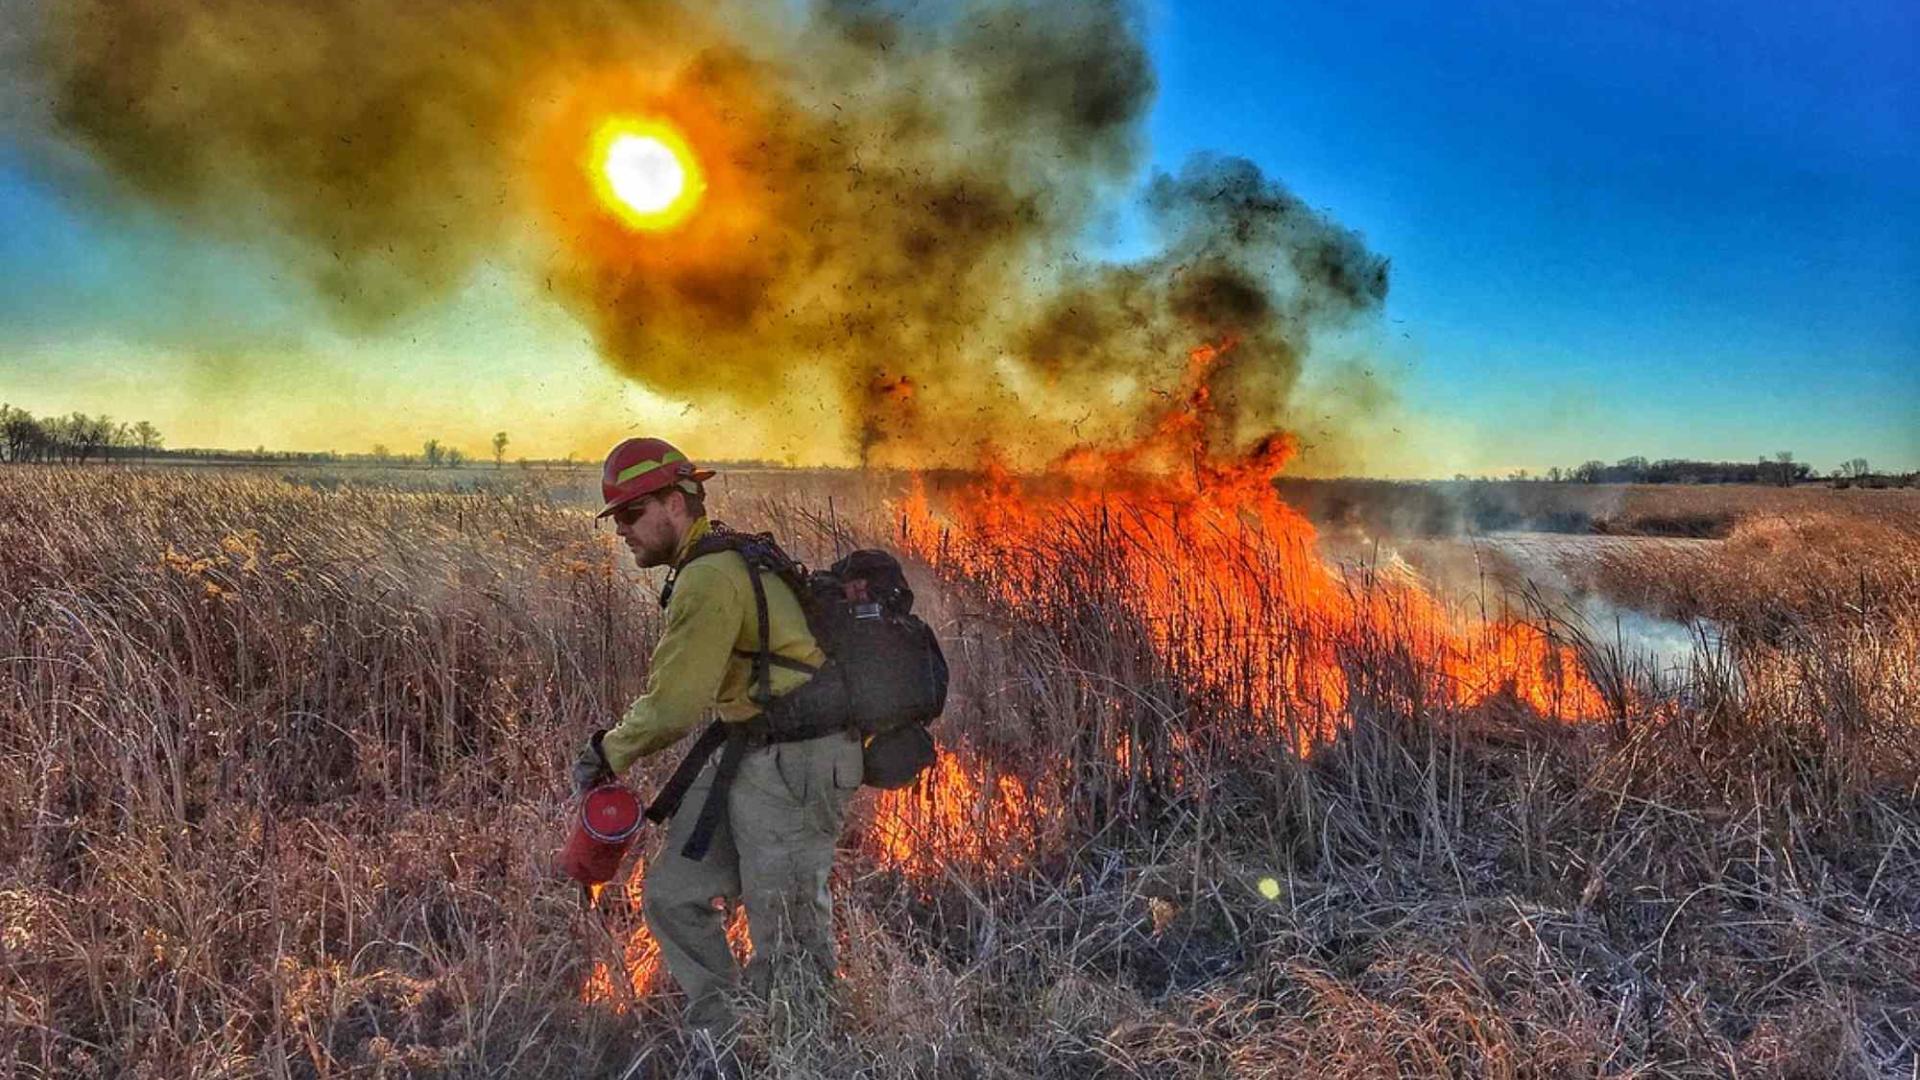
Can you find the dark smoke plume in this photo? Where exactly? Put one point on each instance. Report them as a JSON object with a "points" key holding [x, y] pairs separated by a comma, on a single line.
{"points": [[895, 199]]}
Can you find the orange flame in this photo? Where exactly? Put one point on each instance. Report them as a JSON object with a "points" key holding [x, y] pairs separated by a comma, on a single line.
{"points": [[642, 972], [1229, 584], [961, 814], [1197, 550]]}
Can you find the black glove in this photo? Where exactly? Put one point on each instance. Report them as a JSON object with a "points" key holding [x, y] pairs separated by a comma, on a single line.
{"points": [[591, 769]]}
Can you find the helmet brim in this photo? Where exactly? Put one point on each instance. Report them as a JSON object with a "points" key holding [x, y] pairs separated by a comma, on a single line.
{"points": [[698, 476]]}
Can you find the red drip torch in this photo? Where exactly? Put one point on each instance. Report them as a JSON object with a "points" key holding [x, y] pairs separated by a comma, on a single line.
{"points": [[608, 821]]}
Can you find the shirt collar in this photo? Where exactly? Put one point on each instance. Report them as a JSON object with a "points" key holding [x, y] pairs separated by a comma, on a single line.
{"points": [[695, 531]]}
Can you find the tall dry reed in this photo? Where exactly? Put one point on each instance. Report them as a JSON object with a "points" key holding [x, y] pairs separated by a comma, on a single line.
{"points": [[281, 765]]}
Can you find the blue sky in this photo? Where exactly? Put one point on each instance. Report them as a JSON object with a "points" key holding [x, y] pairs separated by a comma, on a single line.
{"points": [[1632, 228], [1668, 229]]}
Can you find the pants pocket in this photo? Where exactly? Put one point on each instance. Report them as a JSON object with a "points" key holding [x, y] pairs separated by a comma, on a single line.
{"points": [[847, 763], [790, 760]]}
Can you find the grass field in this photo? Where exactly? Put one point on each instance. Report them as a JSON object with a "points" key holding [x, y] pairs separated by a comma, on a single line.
{"points": [[282, 763]]}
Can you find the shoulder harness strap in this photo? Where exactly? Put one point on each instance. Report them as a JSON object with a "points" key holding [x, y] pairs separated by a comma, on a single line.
{"points": [[762, 694], [719, 539], [722, 538]]}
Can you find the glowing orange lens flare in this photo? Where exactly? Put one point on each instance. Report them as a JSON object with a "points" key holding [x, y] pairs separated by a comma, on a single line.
{"points": [[644, 173]]}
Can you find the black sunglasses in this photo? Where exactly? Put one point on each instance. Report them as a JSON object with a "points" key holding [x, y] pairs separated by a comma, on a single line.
{"points": [[633, 511]]}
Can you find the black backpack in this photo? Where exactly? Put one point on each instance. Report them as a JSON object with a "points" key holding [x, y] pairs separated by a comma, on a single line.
{"points": [[885, 676]]}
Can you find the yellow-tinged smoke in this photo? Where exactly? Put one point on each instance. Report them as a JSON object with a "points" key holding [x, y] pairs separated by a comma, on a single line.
{"points": [[880, 221]]}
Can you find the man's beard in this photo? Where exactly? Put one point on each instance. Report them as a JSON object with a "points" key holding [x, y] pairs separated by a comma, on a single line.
{"points": [[660, 553]]}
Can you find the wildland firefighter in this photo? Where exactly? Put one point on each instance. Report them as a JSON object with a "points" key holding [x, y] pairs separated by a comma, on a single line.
{"points": [[817, 682]]}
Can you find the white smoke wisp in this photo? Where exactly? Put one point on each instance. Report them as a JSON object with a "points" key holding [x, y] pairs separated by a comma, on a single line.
{"points": [[1662, 648]]}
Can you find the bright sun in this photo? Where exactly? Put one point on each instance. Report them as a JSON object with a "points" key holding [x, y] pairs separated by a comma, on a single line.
{"points": [[644, 172]]}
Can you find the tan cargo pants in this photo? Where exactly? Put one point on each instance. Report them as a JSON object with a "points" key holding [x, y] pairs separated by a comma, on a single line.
{"points": [[773, 851]]}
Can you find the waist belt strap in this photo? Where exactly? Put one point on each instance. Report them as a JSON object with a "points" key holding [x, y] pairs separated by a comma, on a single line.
{"points": [[736, 738], [667, 803], [715, 807]]}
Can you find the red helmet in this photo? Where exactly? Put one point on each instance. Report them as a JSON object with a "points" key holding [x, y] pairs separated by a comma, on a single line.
{"points": [[642, 466]]}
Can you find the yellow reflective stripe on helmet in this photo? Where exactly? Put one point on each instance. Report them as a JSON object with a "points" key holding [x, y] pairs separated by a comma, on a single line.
{"points": [[632, 471], [644, 467]]}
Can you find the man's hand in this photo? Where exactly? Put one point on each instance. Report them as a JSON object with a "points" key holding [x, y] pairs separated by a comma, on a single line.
{"points": [[590, 769]]}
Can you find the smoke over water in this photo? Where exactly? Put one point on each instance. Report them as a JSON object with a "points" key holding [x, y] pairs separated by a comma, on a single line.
{"points": [[888, 248]]}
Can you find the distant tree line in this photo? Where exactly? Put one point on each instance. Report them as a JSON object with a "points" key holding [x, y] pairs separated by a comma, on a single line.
{"points": [[73, 439], [1777, 468], [77, 439], [259, 455]]}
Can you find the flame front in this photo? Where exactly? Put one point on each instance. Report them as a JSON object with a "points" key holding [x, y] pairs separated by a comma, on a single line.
{"points": [[1196, 553], [1227, 578], [964, 813]]}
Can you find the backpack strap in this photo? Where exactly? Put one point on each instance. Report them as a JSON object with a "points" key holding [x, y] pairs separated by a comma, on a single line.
{"points": [[733, 740], [763, 657], [719, 539], [779, 661]]}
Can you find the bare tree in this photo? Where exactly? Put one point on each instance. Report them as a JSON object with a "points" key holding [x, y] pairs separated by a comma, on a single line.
{"points": [[433, 453], [146, 437], [1783, 463], [499, 448], [25, 438], [84, 436]]}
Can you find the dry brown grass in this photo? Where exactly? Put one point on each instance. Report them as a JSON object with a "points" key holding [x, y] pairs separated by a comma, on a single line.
{"points": [[1737, 503], [1777, 572], [280, 768]]}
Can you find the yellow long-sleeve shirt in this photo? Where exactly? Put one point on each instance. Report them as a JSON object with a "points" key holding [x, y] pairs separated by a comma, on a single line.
{"points": [[695, 665]]}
